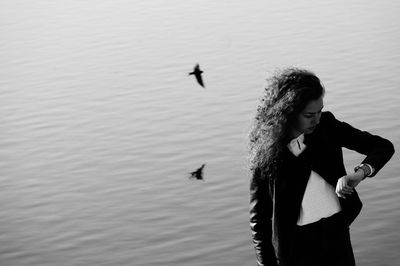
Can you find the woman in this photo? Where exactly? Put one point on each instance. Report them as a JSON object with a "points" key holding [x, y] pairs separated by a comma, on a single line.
{"points": [[302, 200]]}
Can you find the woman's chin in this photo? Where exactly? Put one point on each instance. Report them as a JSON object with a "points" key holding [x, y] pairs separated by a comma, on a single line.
{"points": [[309, 130]]}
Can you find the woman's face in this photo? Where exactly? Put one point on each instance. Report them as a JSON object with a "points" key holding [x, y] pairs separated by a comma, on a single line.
{"points": [[306, 121]]}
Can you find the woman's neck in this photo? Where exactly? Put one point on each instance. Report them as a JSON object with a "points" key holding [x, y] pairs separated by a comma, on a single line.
{"points": [[294, 134]]}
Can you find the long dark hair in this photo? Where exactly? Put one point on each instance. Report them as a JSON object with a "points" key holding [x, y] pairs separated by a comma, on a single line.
{"points": [[287, 93]]}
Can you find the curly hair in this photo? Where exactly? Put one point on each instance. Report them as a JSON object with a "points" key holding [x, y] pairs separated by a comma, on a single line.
{"points": [[287, 93]]}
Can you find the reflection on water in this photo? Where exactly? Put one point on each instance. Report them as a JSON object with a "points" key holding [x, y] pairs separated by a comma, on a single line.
{"points": [[101, 125]]}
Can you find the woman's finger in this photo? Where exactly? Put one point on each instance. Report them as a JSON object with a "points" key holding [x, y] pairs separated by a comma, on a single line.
{"points": [[347, 190]]}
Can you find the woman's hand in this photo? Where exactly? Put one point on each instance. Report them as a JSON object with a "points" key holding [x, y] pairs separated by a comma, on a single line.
{"points": [[347, 183]]}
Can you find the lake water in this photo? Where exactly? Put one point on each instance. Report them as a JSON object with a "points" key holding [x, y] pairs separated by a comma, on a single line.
{"points": [[100, 123]]}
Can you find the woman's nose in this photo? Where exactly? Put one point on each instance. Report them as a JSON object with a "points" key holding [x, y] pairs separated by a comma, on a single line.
{"points": [[315, 120]]}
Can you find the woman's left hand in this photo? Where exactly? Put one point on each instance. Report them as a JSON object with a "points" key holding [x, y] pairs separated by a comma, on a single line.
{"points": [[347, 183]]}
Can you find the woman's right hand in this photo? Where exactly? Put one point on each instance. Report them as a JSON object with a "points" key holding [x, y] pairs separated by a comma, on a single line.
{"points": [[346, 184]]}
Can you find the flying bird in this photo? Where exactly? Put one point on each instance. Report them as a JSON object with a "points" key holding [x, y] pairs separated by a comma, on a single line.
{"points": [[197, 73], [198, 174]]}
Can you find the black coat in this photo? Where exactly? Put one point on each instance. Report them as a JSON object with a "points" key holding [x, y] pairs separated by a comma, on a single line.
{"points": [[275, 206]]}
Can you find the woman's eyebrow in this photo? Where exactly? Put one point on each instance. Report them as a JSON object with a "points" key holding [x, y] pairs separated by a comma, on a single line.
{"points": [[314, 112]]}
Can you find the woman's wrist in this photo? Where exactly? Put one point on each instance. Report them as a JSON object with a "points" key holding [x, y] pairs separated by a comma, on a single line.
{"points": [[361, 173], [363, 169]]}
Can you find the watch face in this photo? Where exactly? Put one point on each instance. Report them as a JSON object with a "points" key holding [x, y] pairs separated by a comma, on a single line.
{"points": [[366, 170]]}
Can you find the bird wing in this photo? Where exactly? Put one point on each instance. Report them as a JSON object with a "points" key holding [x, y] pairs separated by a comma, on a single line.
{"points": [[199, 79]]}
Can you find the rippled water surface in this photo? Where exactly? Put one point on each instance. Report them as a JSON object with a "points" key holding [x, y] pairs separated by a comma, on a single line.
{"points": [[100, 124]]}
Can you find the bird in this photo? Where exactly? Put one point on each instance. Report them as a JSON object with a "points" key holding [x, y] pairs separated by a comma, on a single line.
{"points": [[198, 174], [197, 73]]}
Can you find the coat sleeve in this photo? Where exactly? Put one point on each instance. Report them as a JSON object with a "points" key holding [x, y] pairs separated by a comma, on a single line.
{"points": [[260, 221], [378, 150]]}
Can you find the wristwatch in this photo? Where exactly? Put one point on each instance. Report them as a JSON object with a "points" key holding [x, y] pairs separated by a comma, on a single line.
{"points": [[365, 168]]}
